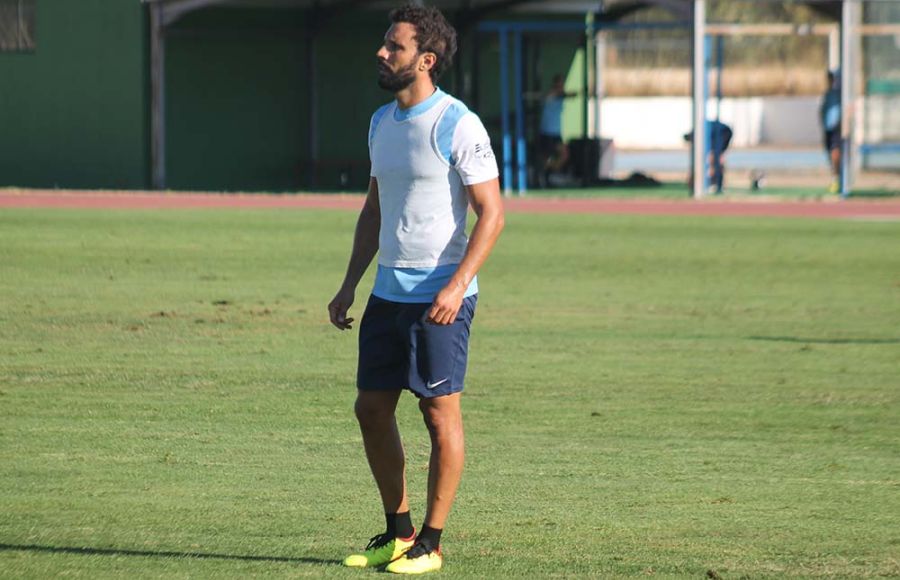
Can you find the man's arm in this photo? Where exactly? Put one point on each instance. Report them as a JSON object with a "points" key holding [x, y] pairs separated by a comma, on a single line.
{"points": [[488, 205], [365, 246]]}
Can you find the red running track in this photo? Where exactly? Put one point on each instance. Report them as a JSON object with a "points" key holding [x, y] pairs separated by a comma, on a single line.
{"points": [[887, 210]]}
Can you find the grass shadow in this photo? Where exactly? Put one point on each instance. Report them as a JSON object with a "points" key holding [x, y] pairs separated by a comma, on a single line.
{"points": [[160, 554], [874, 194], [802, 340]]}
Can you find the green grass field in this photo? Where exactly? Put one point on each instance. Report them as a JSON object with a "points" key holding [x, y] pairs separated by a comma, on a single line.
{"points": [[647, 396]]}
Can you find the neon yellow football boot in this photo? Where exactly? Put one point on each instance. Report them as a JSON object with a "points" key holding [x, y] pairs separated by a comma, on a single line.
{"points": [[381, 550], [417, 560]]}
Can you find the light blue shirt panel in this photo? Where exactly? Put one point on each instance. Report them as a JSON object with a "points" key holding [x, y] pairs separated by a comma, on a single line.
{"points": [[415, 285], [404, 114], [447, 128], [551, 116], [376, 119], [831, 110]]}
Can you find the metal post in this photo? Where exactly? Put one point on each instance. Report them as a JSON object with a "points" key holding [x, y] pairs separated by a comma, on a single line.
{"points": [[599, 61], [848, 99], [521, 155], [504, 114], [157, 97], [698, 150], [707, 127], [585, 105], [720, 66]]}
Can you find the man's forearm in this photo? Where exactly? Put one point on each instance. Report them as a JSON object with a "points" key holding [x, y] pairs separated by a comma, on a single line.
{"points": [[484, 236], [365, 245]]}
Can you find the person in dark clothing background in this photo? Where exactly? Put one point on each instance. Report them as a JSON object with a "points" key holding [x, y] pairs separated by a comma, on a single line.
{"points": [[719, 139]]}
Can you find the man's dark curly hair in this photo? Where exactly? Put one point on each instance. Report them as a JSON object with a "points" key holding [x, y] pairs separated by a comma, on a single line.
{"points": [[433, 34]]}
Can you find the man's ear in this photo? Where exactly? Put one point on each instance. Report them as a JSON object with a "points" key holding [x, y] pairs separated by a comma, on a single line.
{"points": [[429, 59]]}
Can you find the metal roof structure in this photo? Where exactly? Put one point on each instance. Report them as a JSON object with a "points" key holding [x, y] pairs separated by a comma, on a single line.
{"points": [[612, 8], [172, 10]]}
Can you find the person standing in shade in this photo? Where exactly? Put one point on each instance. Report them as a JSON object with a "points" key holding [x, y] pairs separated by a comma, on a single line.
{"points": [[554, 154], [431, 159], [830, 116]]}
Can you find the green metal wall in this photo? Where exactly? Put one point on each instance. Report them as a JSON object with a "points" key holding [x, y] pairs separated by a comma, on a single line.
{"points": [[74, 112], [235, 100], [349, 94], [237, 97]]}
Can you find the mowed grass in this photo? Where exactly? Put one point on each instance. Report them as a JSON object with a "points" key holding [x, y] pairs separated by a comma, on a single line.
{"points": [[646, 396]]}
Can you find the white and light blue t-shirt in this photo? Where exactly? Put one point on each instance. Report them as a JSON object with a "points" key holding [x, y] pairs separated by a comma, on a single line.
{"points": [[422, 158]]}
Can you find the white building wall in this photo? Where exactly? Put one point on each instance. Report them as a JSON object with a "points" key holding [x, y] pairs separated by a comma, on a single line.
{"points": [[661, 122]]}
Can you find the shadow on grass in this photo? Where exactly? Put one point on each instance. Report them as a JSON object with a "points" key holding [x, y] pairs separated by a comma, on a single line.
{"points": [[159, 554], [874, 194], [802, 340]]}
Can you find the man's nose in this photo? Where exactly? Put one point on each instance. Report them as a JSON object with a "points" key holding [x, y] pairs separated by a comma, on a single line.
{"points": [[382, 53]]}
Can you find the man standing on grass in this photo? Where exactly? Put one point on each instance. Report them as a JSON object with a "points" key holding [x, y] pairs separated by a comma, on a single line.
{"points": [[830, 115], [431, 157]]}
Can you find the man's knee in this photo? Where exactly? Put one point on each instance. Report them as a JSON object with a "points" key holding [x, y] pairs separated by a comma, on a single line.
{"points": [[373, 410], [438, 419]]}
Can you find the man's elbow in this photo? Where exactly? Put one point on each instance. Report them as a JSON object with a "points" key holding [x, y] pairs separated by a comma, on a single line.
{"points": [[497, 221], [500, 222]]}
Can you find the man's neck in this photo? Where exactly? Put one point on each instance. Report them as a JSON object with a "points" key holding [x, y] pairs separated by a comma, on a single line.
{"points": [[415, 93]]}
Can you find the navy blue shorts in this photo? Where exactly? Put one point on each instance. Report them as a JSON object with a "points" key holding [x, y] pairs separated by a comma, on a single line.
{"points": [[833, 139], [400, 349]]}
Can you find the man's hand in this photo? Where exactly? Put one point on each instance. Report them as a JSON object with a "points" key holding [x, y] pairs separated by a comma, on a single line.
{"points": [[338, 307], [446, 304]]}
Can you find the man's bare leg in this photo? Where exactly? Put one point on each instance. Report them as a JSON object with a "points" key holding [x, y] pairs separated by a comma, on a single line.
{"points": [[443, 417], [384, 450]]}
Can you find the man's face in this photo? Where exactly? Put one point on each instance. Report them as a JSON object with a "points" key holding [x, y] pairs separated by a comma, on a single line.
{"points": [[398, 57]]}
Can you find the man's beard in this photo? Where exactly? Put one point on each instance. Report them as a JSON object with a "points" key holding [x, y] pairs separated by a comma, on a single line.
{"points": [[396, 81]]}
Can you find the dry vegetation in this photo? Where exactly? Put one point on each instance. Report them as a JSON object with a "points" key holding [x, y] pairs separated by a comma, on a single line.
{"points": [[736, 82]]}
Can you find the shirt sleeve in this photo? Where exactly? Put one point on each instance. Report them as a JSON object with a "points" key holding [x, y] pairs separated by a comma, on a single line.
{"points": [[373, 126], [472, 156], [373, 122]]}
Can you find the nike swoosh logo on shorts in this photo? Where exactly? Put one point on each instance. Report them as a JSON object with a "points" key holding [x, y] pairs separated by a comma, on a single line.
{"points": [[431, 385]]}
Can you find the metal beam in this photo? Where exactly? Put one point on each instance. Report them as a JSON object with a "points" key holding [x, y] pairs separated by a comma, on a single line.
{"points": [[599, 65], [175, 9], [585, 103], [157, 98], [772, 29], [504, 113], [698, 149], [886, 29], [521, 146], [850, 49]]}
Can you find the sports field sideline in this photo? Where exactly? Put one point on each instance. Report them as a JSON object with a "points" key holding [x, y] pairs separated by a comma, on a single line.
{"points": [[885, 208], [673, 395]]}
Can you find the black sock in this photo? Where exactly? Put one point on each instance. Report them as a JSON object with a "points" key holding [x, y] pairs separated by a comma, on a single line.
{"points": [[399, 525], [430, 538]]}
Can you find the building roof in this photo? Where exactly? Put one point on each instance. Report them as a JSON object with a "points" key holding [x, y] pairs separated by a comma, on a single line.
{"points": [[605, 9]]}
